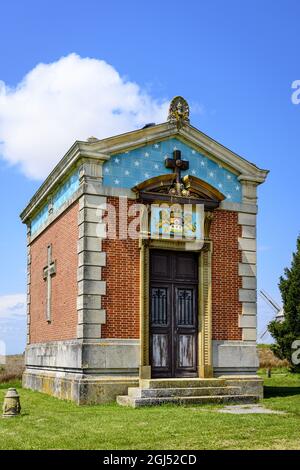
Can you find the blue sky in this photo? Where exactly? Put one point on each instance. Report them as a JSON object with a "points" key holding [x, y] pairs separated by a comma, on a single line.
{"points": [[233, 61]]}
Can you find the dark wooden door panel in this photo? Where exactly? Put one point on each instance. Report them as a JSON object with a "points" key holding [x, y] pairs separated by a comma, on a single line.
{"points": [[185, 307], [161, 329], [185, 267], [160, 306], [160, 265], [186, 352], [173, 314], [185, 330], [161, 358]]}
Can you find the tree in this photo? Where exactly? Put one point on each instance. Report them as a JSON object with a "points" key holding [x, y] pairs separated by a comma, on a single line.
{"points": [[286, 332]]}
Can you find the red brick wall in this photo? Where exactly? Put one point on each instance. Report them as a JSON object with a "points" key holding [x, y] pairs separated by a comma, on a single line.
{"points": [[121, 274], [225, 278], [63, 235], [122, 281]]}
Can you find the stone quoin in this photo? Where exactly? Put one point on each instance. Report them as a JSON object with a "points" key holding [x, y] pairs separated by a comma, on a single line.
{"points": [[135, 298]]}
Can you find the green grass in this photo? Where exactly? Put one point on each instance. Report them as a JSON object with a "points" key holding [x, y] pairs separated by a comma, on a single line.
{"points": [[263, 346], [282, 391], [49, 423]]}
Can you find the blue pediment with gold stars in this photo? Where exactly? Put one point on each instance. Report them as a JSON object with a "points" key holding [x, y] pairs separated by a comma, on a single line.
{"points": [[128, 169]]}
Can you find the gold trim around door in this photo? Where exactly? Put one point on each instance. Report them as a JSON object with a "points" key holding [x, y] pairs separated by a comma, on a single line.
{"points": [[205, 368]]}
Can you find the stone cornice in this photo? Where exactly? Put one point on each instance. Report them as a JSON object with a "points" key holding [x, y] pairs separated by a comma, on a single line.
{"points": [[223, 154], [256, 179], [102, 149], [72, 158]]}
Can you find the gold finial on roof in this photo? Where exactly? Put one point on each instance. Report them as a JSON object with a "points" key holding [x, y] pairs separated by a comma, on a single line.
{"points": [[179, 112]]}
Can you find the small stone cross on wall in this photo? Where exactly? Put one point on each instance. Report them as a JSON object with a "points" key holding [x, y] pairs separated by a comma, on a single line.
{"points": [[49, 271]]}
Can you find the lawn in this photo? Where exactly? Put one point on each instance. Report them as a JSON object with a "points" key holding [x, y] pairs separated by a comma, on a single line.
{"points": [[49, 423]]}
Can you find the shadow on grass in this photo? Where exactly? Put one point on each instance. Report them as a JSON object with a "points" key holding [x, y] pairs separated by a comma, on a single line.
{"points": [[272, 392]]}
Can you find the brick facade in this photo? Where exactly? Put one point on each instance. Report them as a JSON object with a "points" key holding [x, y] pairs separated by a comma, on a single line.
{"points": [[225, 276], [122, 281], [121, 274], [62, 234]]}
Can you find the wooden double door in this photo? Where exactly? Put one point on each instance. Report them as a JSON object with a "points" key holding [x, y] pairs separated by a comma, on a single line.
{"points": [[173, 313]]}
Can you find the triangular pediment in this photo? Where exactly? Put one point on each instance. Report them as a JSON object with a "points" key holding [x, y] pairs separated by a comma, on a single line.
{"points": [[188, 134], [129, 168], [209, 161]]}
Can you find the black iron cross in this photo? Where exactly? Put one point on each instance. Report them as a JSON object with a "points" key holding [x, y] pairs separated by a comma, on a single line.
{"points": [[177, 164]]}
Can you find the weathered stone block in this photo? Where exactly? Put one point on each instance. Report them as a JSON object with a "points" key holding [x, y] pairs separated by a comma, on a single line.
{"points": [[247, 219], [90, 169], [248, 384], [89, 229], [234, 356], [89, 330], [89, 273], [247, 244], [91, 287], [89, 302], [55, 354], [91, 258], [249, 334], [96, 202], [249, 308], [247, 321], [249, 282], [82, 390], [238, 207], [89, 244], [248, 232], [248, 270], [91, 316], [92, 187], [113, 355], [249, 257], [247, 295], [89, 214]]}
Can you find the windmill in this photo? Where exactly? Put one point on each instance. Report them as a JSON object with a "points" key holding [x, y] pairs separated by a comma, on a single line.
{"points": [[279, 311]]}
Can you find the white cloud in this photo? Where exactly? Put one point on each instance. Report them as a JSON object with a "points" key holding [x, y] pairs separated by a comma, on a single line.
{"points": [[71, 99], [12, 306]]}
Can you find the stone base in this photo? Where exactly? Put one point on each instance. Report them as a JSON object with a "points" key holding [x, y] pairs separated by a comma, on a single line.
{"points": [[235, 358], [106, 357], [248, 384], [242, 390], [91, 390], [97, 371], [83, 390]]}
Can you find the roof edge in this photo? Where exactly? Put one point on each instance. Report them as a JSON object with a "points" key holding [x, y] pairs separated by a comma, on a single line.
{"points": [[101, 149]]}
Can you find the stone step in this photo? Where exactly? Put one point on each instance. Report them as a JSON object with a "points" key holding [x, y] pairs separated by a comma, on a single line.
{"points": [[126, 400], [136, 392], [181, 383]]}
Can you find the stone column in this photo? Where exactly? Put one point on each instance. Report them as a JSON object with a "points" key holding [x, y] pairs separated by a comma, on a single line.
{"points": [[145, 368], [205, 312], [91, 258], [247, 266], [28, 284]]}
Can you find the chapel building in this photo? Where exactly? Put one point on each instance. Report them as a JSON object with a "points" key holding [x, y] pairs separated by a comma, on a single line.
{"points": [[142, 270]]}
